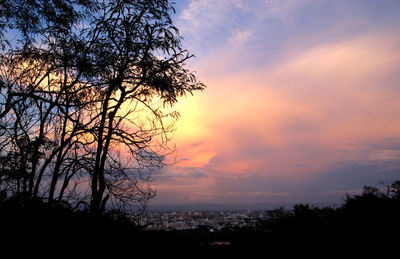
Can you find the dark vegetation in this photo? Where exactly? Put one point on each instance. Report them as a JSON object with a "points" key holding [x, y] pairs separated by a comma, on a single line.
{"points": [[87, 89], [365, 223]]}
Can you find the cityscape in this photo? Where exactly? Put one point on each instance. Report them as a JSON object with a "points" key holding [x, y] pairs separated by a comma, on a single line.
{"points": [[212, 220], [214, 217]]}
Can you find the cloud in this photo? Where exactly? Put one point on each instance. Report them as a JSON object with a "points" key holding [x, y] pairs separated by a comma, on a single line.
{"points": [[203, 15], [328, 185], [240, 36], [330, 106], [301, 103], [176, 174]]}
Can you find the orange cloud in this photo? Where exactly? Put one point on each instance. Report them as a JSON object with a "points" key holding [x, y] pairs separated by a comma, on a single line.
{"points": [[302, 116], [324, 99]]}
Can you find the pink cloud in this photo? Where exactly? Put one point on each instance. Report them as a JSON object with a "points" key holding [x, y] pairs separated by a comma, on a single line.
{"points": [[294, 119]]}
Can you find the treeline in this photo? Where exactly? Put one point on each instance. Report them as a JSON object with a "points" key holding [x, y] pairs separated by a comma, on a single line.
{"points": [[374, 210], [364, 223]]}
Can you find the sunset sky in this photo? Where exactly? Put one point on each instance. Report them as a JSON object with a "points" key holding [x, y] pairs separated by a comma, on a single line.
{"points": [[302, 101]]}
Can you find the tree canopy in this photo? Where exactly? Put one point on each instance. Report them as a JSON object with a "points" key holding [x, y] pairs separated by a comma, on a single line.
{"points": [[84, 87]]}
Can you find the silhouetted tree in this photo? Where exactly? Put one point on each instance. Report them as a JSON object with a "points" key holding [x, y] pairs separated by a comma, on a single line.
{"points": [[30, 20], [39, 90], [373, 212], [84, 97]]}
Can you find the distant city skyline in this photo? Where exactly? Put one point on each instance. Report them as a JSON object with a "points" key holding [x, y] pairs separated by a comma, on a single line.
{"points": [[302, 103]]}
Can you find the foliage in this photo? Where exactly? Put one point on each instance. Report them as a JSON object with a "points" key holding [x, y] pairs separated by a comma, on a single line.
{"points": [[86, 93]]}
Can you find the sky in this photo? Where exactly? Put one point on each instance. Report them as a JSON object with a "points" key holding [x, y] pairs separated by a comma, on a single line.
{"points": [[302, 101]]}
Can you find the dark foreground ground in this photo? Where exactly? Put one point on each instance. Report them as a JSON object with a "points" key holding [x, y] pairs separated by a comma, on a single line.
{"points": [[365, 225]]}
